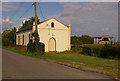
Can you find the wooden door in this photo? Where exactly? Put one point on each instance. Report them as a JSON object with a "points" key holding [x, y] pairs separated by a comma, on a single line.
{"points": [[52, 44]]}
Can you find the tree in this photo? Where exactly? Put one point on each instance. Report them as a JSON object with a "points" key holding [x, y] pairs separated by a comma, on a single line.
{"points": [[13, 35], [29, 22], [84, 39], [9, 37]]}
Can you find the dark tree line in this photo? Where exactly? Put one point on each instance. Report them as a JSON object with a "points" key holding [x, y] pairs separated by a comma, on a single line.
{"points": [[9, 37], [84, 39]]}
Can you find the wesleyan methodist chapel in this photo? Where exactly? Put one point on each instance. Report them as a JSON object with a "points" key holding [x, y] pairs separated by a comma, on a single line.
{"points": [[54, 34]]}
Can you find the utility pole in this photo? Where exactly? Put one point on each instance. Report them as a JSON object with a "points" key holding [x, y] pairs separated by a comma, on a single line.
{"points": [[35, 15], [36, 33]]}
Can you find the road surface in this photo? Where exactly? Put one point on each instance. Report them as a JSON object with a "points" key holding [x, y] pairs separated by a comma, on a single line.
{"points": [[16, 66]]}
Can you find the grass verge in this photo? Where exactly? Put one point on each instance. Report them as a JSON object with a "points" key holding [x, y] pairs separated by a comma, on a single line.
{"points": [[79, 61]]}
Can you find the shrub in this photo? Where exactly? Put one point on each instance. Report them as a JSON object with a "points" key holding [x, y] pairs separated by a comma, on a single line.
{"points": [[86, 50], [39, 49], [31, 47], [106, 51], [76, 48], [109, 52], [6, 42], [96, 51]]}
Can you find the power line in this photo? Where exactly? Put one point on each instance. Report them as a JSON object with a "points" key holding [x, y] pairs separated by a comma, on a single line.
{"points": [[41, 11], [16, 10], [43, 17], [23, 14]]}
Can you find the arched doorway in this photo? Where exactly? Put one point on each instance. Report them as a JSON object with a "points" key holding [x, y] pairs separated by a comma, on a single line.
{"points": [[52, 44]]}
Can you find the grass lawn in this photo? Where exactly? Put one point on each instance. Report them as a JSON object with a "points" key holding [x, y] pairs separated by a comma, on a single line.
{"points": [[106, 66]]}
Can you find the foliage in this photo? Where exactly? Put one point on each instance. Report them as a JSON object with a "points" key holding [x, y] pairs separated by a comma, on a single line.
{"points": [[106, 51], [76, 48], [110, 52], [36, 36], [13, 35], [36, 47], [41, 48], [29, 22], [84, 39], [9, 37], [87, 50], [5, 42], [31, 47], [36, 39]]}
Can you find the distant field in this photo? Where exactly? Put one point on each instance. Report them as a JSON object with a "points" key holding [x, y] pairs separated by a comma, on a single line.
{"points": [[105, 66]]}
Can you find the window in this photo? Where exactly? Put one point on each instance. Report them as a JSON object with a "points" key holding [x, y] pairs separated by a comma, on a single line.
{"points": [[23, 39], [52, 24], [29, 37]]}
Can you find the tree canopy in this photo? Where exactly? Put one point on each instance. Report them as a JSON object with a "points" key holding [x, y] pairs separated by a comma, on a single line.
{"points": [[29, 22], [84, 39], [9, 37]]}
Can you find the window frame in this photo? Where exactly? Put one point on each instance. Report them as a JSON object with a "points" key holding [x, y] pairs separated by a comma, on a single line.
{"points": [[52, 25]]}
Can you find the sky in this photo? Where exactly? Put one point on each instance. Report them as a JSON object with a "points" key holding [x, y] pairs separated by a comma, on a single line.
{"points": [[86, 18]]}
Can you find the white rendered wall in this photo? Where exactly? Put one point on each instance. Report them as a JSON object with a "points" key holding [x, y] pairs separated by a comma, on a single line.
{"points": [[26, 37], [59, 32]]}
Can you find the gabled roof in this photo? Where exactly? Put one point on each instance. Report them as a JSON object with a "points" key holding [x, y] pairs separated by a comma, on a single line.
{"points": [[52, 18], [29, 27]]}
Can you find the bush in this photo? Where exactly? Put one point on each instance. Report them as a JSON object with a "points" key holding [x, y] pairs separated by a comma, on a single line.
{"points": [[96, 51], [40, 48], [76, 48], [6, 42], [109, 52], [86, 50], [102, 51], [31, 47]]}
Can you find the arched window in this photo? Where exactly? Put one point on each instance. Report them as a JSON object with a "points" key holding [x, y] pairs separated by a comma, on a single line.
{"points": [[23, 39], [18, 39], [52, 24], [29, 37]]}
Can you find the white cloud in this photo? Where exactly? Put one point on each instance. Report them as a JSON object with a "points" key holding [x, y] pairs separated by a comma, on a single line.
{"points": [[90, 18], [7, 6], [7, 24]]}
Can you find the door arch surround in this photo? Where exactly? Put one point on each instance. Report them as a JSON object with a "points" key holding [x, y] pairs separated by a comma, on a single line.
{"points": [[52, 44]]}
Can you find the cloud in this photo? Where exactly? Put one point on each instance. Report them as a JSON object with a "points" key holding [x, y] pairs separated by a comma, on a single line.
{"points": [[91, 18], [7, 6], [7, 24]]}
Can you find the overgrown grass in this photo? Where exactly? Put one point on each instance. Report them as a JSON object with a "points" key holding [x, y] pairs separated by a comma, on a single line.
{"points": [[70, 57]]}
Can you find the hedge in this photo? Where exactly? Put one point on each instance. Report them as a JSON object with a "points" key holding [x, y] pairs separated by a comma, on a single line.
{"points": [[6, 42], [31, 47], [41, 48], [102, 51]]}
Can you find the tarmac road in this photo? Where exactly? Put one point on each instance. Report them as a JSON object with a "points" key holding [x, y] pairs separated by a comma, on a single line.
{"points": [[16, 66]]}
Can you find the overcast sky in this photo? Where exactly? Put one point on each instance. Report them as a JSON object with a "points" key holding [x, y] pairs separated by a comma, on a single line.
{"points": [[86, 18]]}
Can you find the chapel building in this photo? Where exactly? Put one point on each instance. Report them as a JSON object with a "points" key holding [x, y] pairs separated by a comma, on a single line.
{"points": [[55, 35]]}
